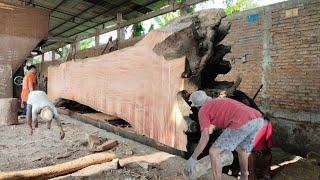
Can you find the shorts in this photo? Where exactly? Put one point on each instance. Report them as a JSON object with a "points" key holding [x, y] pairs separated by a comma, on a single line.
{"points": [[29, 111], [242, 138]]}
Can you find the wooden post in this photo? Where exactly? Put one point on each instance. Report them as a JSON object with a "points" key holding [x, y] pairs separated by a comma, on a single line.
{"points": [[97, 39], [183, 8], [120, 31], [53, 56]]}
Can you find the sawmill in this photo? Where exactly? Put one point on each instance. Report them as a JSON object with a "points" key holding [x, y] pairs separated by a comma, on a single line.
{"points": [[160, 89]]}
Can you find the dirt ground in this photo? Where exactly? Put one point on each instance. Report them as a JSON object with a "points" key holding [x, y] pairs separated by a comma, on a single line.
{"points": [[19, 151]]}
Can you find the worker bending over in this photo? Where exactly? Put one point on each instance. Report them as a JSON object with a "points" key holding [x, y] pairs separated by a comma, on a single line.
{"points": [[244, 130], [39, 103]]}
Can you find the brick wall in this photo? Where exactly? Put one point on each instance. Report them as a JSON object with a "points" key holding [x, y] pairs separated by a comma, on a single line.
{"points": [[279, 46]]}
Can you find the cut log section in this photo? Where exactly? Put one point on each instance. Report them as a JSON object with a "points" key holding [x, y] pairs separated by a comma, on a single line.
{"points": [[140, 84], [59, 169], [8, 111]]}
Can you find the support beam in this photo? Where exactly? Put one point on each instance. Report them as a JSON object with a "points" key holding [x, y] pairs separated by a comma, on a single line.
{"points": [[142, 18], [138, 19], [104, 12], [183, 8], [52, 9], [120, 31], [97, 39], [70, 19]]}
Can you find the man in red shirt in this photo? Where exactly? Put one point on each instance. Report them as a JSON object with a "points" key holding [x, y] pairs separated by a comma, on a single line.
{"points": [[244, 129]]}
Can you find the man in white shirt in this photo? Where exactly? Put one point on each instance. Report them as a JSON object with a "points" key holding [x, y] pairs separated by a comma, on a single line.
{"points": [[39, 103]]}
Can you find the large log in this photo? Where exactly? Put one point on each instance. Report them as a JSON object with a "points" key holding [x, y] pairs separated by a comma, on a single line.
{"points": [[59, 169], [8, 111], [140, 84]]}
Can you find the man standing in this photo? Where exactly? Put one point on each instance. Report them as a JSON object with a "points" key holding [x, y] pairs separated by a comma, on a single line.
{"points": [[241, 123], [29, 84], [39, 103]]}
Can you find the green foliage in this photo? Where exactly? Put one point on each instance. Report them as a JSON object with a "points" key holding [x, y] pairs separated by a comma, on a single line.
{"points": [[239, 5], [36, 59], [138, 30], [191, 9], [166, 18], [86, 43]]}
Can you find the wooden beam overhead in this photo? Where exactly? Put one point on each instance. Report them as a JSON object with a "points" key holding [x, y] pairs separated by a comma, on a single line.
{"points": [[143, 17], [75, 16], [170, 8], [104, 12]]}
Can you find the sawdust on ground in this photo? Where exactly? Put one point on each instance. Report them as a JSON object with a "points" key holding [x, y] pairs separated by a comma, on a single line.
{"points": [[19, 150]]}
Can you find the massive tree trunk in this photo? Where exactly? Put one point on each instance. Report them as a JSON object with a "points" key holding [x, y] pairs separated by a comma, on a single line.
{"points": [[140, 84]]}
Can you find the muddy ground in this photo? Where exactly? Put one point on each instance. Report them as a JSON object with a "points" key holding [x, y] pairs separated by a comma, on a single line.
{"points": [[19, 151]]}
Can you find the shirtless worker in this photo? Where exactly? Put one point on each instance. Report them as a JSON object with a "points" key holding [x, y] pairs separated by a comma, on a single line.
{"points": [[244, 131], [39, 103]]}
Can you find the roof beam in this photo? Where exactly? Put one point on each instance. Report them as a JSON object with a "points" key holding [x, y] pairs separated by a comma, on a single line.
{"points": [[64, 20], [87, 9], [152, 14], [114, 18], [104, 12], [51, 9], [57, 6]]}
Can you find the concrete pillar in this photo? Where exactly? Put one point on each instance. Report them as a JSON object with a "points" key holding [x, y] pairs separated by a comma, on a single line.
{"points": [[120, 31], [266, 41]]}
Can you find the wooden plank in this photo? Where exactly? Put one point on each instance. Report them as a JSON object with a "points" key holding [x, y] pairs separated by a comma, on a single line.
{"points": [[101, 116], [140, 84], [125, 132]]}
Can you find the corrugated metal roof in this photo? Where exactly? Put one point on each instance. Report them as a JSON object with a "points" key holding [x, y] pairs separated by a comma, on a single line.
{"points": [[69, 18]]}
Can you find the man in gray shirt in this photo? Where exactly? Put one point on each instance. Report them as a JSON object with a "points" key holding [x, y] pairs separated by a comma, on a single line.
{"points": [[39, 103]]}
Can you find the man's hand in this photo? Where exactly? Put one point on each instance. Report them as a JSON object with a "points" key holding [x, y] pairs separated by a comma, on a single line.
{"points": [[190, 165], [62, 135]]}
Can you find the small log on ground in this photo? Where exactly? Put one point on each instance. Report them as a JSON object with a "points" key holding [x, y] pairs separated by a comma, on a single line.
{"points": [[105, 146], [203, 166], [92, 170], [8, 111], [59, 169]]}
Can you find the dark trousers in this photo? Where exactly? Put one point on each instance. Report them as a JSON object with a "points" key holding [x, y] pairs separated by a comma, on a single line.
{"points": [[24, 108]]}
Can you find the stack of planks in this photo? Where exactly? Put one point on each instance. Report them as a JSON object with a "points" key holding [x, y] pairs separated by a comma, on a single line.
{"points": [[140, 84]]}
